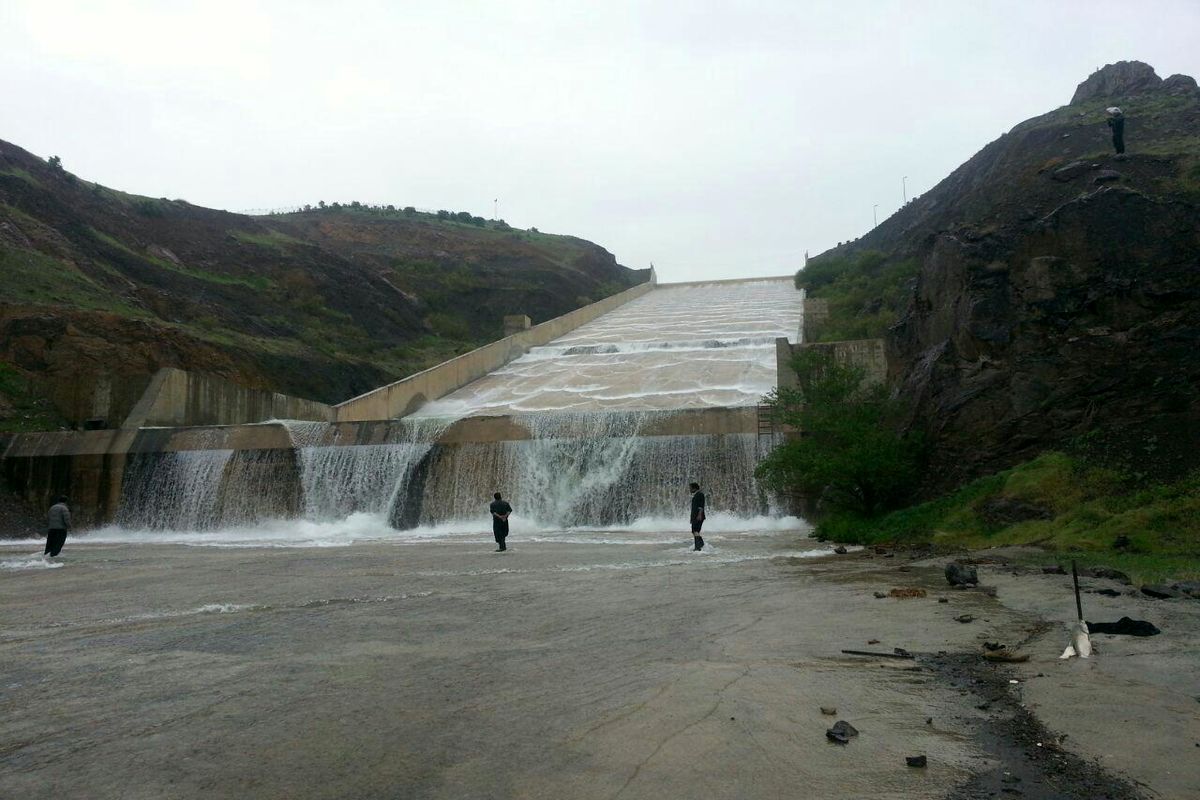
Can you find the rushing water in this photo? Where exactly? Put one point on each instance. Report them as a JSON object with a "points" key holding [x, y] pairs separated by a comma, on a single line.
{"points": [[585, 399]]}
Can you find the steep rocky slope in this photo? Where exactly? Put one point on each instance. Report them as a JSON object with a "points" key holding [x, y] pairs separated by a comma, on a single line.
{"points": [[1057, 297], [99, 289]]}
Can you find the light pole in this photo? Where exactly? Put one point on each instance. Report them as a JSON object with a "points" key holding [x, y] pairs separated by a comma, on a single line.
{"points": [[875, 214], [496, 208], [904, 188]]}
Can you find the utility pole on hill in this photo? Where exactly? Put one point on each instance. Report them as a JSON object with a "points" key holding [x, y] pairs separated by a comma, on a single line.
{"points": [[904, 188], [875, 214], [496, 208]]}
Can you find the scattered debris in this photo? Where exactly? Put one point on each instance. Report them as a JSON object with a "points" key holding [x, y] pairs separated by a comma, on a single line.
{"points": [[899, 652], [915, 761], [964, 618], [905, 592], [1124, 627], [841, 732], [961, 574], [1003, 655], [829, 711]]}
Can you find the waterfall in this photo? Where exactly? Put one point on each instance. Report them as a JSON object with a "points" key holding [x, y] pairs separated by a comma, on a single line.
{"points": [[173, 490]]}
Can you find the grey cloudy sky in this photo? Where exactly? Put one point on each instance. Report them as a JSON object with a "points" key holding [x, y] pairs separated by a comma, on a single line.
{"points": [[714, 139]]}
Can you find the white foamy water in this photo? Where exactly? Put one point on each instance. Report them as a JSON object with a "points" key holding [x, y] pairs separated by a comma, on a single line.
{"points": [[702, 346], [374, 527], [29, 562]]}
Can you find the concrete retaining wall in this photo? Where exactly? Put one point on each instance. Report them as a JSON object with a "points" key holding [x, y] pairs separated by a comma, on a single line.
{"points": [[870, 354], [407, 395], [176, 397]]}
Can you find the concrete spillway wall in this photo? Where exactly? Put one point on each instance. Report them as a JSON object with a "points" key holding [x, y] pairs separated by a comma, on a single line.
{"points": [[177, 397]]}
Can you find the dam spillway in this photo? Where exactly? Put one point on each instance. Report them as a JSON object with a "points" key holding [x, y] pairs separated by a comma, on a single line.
{"points": [[593, 438]]}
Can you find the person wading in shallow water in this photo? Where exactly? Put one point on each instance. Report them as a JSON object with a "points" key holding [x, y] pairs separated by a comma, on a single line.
{"points": [[58, 522], [697, 515], [500, 511]]}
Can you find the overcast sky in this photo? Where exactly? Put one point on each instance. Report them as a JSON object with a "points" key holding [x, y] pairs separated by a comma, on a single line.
{"points": [[717, 140]]}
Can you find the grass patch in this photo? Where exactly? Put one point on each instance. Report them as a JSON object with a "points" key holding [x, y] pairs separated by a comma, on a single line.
{"points": [[257, 282], [866, 292], [1087, 508], [271, 240], [33, 278], [17, 172], [22, 408]]}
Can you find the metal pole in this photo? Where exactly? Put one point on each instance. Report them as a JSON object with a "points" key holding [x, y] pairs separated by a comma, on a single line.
{"points": [[875, 214], [496, 208], [904, 188]]}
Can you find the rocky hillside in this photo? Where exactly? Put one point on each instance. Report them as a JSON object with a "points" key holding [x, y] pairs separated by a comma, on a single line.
{"points": [[1052, 288], [99, 289]]}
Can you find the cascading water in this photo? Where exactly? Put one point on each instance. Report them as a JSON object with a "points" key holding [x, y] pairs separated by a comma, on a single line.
{"points": [[585, 399], [174, 490]]}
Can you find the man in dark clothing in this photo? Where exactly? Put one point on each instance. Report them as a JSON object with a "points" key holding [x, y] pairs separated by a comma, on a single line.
{"points": [[697, 515], [58, 522], [500, 511], [1116, 121]]}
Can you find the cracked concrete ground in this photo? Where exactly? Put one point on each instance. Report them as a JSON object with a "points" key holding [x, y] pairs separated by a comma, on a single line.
{"points": [[436, 670]]}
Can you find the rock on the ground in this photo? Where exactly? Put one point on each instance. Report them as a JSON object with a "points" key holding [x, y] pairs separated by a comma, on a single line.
{"points": [[961, 574], [840, 550], [1054, 570], [841, 732], [1106, 176], [915, 761], [1069, 172], [1111, 574], [1161, 592]]}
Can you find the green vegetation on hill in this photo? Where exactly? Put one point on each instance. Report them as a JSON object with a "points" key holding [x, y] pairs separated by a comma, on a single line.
{"points": [[323, 303], [866, 292], [1060, 502]]}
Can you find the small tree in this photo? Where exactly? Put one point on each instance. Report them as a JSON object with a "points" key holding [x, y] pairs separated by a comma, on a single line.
{"points": [[851, 452], [55, 163]]}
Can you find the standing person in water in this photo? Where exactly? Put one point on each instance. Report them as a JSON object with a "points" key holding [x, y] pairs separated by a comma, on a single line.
{"points": [[697, 516], [500, 511], [58, 522]]}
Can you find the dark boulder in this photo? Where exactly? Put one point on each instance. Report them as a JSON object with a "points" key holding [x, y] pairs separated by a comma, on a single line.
{"points": [[961, 574], [840, 550], [1106, 176], [1161, 592], [841, 732], [915, 761], [1180, 84]]}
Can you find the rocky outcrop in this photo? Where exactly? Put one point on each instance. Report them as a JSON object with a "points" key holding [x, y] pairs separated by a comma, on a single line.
{"points": [[1117, 80], [1087, 321]]}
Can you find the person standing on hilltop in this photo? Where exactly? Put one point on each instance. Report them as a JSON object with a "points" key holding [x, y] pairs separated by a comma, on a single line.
{"points": [[697, 515], [1116, 121], [58, 522], [500, 511]]}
